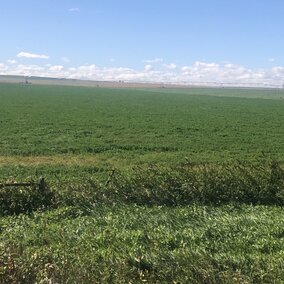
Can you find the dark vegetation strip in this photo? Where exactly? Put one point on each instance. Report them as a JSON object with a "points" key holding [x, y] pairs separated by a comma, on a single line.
{"points": [[182, 185]]}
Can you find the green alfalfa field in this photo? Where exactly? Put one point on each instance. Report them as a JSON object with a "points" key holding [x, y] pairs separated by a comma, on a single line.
{"points": [[143, 185]]}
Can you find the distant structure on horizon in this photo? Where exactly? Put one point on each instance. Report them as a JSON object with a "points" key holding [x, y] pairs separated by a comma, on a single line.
{"points": [[27, 81]]}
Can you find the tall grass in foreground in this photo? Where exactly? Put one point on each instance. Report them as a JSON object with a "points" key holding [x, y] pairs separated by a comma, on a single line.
{"points": [[140, 244], [187, 184], [194, 223], [208, 184]]}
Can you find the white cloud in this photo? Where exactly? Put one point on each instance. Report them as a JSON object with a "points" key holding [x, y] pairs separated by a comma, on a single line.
{"points": [[271, 60], [229, 65], [11, 61], [278, 70], [3, 67], [155, 60], [205, 65], [23, 54], [74, 9], [199, 73], [148, 67], [56, 68]]}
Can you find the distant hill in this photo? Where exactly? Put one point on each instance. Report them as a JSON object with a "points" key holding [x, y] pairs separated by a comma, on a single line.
{"points": [[76, 82]]}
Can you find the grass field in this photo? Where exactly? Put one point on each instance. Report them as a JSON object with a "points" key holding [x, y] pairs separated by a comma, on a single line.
{"points": [[127, 124], [148, 185]]}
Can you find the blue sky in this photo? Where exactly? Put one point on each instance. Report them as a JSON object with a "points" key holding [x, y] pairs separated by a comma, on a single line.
{"points": [[147, 39]]}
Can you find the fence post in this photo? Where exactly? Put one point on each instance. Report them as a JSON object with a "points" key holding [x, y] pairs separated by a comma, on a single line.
{"points": [[41, 184]]}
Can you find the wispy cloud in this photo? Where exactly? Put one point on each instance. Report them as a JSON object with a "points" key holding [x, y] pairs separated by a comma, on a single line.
{"points": [[65, 59], [23, 54], [12, 61], [155, 60], [171, 66], [74, 10], [271, 60]]}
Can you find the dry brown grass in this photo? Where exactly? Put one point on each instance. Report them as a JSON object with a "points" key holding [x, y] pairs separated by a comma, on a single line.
{"points": [[50, 160]]}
